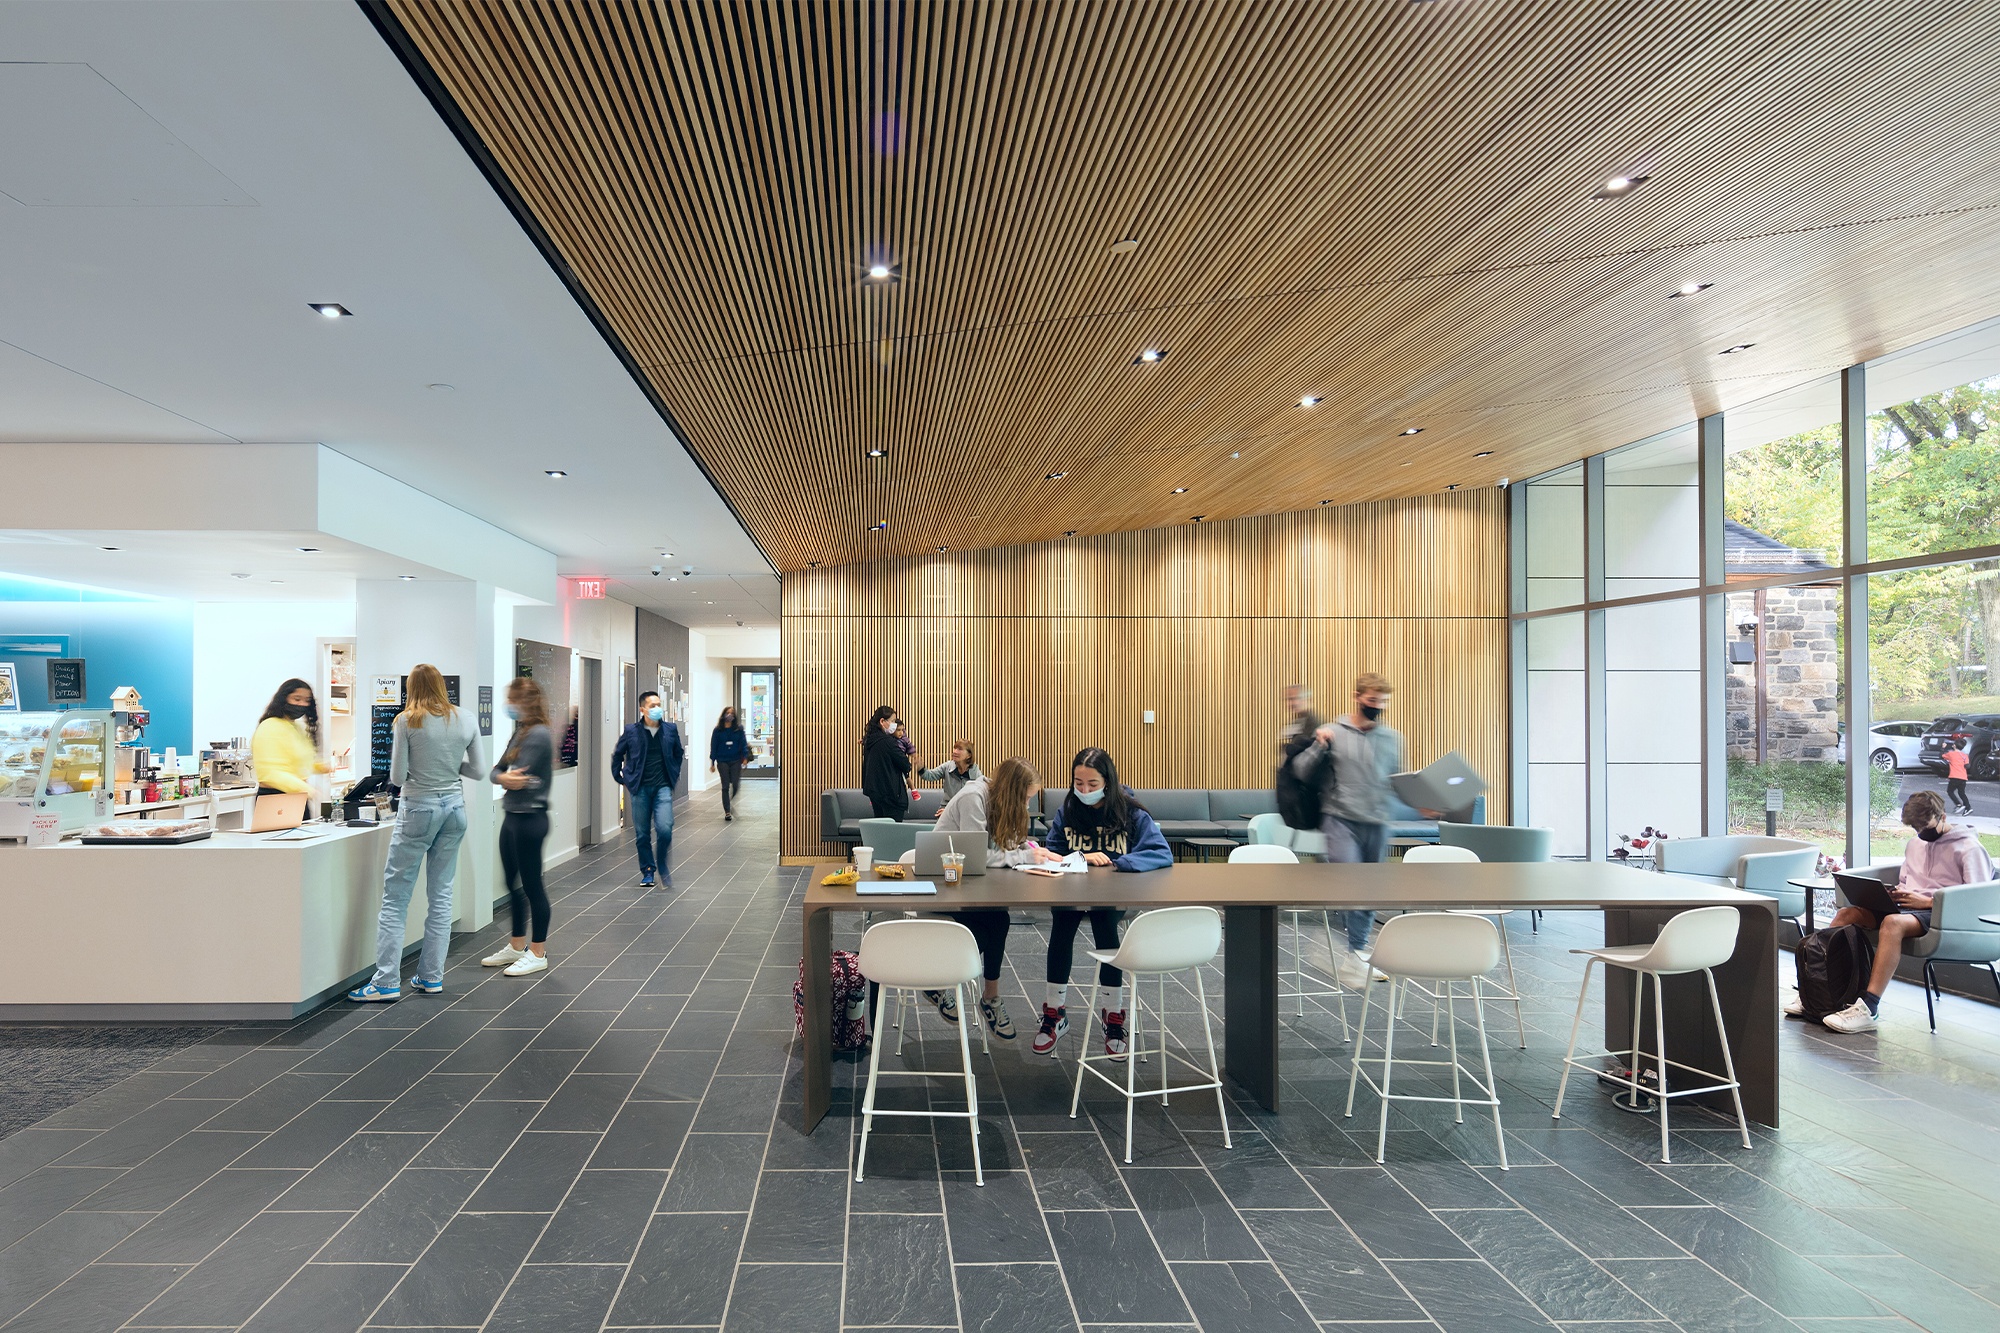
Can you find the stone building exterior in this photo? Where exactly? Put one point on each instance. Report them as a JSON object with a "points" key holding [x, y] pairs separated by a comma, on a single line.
{"points": [[1784, 703]]}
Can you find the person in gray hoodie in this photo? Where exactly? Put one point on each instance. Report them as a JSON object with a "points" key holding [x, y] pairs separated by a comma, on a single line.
{"points": [[1939, 857]]}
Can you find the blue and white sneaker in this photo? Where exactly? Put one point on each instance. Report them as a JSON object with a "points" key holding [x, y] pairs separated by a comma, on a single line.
{"points": [[646, 879], [373, 994], [428, 987]]}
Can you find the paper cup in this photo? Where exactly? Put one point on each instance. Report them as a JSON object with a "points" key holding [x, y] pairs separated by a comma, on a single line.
{"points": [[864, 859]]}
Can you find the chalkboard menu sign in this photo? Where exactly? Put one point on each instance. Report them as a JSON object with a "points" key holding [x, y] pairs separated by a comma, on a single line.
{"points": [[381, 738], [450, 691], [66, 684]]}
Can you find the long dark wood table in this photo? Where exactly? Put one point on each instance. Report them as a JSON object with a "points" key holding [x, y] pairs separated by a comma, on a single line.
{"points": [[1635, 905]]}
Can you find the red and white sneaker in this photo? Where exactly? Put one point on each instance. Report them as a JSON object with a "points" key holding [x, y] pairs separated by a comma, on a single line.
{"points": [[1114, 1033], [1055, 1022]]}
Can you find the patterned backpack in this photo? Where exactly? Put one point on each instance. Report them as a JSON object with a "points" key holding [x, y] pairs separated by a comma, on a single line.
{"points": [[850, 1002]]}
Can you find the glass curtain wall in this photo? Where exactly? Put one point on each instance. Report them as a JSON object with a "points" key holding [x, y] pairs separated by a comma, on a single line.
{"points": [[1690, 608]]}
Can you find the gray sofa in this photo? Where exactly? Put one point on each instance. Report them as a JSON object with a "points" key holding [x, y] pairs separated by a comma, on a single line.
{"points": [[1182, 813]]}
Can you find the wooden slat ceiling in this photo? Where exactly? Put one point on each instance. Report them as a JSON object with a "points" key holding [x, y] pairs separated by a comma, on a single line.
{"points": [[1382, 203]]}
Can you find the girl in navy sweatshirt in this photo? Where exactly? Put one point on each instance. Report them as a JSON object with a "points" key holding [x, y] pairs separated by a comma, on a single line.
{"points": [[1100, 820]]}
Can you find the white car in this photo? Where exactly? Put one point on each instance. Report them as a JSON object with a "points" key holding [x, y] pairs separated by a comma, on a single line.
{"points": [[1893, 746]]}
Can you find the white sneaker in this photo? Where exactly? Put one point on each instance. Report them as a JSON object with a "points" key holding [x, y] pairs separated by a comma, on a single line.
{"points": [[1354, 972], [508, 954], [1795, 1007], [1854, 1018], [526, 963]]}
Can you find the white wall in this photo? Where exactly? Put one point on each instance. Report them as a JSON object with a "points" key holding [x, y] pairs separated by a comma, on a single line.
{"points": [[244, 650], [606, 630], [713, 656]]}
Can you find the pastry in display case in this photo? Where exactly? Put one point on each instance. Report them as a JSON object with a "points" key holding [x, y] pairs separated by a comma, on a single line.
{"points": [[54, 763]]}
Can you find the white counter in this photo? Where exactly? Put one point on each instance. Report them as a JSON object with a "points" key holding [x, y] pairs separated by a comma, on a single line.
{"points": [[235, 926]]}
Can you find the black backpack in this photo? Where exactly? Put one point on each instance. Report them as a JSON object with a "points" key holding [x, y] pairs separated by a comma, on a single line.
{"points": [[1833, 967], [1299, 798]]}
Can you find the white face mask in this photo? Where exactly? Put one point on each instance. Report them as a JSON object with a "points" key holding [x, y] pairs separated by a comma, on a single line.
{"points": [[1089, 797], [890, 726]]}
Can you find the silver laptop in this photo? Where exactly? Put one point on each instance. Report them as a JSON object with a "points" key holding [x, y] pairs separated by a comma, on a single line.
{"points": [[931, 848], [1450, 785]]}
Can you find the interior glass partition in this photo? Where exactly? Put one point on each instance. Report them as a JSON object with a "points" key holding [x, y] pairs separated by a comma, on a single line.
{"points": [[1652, 732], [1558, 780], [1555, 540], [1652, 517]]}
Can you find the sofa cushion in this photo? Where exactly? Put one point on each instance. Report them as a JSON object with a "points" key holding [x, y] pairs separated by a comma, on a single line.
{"points": [[926, 804], [1176, 830], [1177, 804], [1237, 804]]}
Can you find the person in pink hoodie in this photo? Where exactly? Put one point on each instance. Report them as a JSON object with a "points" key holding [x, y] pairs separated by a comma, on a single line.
{"points": [[1939, 857]]}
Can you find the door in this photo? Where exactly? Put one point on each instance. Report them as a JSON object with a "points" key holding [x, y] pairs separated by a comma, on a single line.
{"points": [[628, 708], [589, 741], [757, 705]]}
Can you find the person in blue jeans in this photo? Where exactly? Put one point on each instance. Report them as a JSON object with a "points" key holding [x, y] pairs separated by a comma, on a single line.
{"points": [[647, 763], [435, 745]]}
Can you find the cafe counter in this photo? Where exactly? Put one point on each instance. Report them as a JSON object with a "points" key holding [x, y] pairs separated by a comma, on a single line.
{"points": [[235, 926]]}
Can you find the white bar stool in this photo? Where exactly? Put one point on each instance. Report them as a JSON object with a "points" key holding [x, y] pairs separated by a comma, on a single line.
{"points": [[1168, 939], [1267, 853], [1512, 994], [1441, 947], [906, 956], [1694, 941]]}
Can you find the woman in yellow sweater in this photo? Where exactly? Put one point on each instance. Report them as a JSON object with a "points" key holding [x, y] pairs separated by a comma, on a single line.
{"points": [[285, 747]]}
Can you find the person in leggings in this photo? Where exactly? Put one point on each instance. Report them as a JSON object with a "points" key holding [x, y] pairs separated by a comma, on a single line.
{"points": [[1100, 820], [728, 747], [525, 769]]}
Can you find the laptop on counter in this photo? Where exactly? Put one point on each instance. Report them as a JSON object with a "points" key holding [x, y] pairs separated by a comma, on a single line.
{"points": [[281, 810], [1450, 784], [931, 848]]}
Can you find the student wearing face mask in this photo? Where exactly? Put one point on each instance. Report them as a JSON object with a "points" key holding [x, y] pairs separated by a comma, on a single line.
{"points": [[1100, 820], [885, 766], [284, 750], [728, 747], [1354, 806], [1941, 856], [647, 763]]}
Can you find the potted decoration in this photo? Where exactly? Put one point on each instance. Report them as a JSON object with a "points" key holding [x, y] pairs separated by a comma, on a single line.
{"points": [[1647, 842]]}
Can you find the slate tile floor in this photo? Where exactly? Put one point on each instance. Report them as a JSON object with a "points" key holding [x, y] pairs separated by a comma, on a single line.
{"points": [[614, 1144]]}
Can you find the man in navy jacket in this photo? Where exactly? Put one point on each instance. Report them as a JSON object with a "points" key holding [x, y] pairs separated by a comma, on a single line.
{"points": [[647, 763]]}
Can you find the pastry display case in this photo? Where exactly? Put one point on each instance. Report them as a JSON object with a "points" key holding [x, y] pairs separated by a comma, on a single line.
{"points": [[55, 763]]}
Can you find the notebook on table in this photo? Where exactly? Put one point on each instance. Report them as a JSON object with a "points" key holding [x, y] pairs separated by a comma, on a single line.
{"points": [[895, 888]]}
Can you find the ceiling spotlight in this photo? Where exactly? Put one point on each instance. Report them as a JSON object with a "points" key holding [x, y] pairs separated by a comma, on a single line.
{"points": [[554, 472], [880, 524], [1617, 187], [277, 580], [812, 564], [1199, 518], [1150, 356], [942, 549], [1485, 453], [1452, 487], [1308, 401], [1124, 247], [1326, 502], [1070, 533], [1057, 476], [1732, 351], [110, 548], [878, 453], [1689, 289], [239, 576], [331, 310], [882, 274], [673, 578], [438, 386], [666, 555], [1179, 490], [1414, 430], [407, 578], [310, 550]]}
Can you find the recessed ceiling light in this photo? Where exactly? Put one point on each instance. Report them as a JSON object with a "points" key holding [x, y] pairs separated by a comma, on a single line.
{"points": [[407, 578], [883, 274], [942, 549], [439, 387], [277, 580], [880, 524], [1414, 430], [310, 550], [1199, 518], [1452, 487], [812, 564], [1617, 187], [1150, 356], [1179, 490], [1326, 502], [878, 453], [1689, 289], [673, 578], [555, 472], [1732, 351], [1124, 247], [1057, 476], [331, 309], [1485, 453], [239, 576], [1070, 533], [1308, 401], [110, 548], [711, 603]]}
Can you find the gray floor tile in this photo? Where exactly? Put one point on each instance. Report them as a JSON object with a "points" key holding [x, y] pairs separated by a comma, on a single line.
{"points": [[1386, 1217], [460, 1278], [1330, 1269], [1242, 1298], [601, 1220], [557, 1298], [714, 1173], [898, 1271], [644, 1136], [1694, 1295], [327, 1298], [788, 1224], [231, 1285], [1467, 1296], [1113, 1272], [1189, 1217], [683, 1271], [349, 1178], [1013, 1298], [1550, 1271], [404, 1218], [50, 1255], [208, 1216], [101, 1296]]}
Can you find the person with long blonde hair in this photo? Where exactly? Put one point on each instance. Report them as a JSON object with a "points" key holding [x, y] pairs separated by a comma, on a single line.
{"points": [[436, 744], [526, 768]]}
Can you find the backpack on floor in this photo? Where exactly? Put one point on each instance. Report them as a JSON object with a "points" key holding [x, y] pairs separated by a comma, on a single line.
{"points": [[850, 1002], [1833, 967]]}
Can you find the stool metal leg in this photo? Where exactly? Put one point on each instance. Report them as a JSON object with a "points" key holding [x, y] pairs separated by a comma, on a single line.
{"points": [[1089, 1014], [1486, 1063], [1388, 1071], [1208, 1037], [1131, 1074], [1659, 1061], [874, 1067], [1575, 1027], [1450, 998], [1513, 987], [971, 1086], [1360, 1040], [1728, 1060]]}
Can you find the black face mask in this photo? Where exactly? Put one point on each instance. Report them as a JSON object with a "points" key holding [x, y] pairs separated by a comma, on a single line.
{"points": [[1930, 834], [1372, 714], [297, 710]]}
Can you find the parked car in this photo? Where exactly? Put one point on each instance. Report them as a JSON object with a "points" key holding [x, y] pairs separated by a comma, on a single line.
{"points": [[1894, 747], [1981, 734]]}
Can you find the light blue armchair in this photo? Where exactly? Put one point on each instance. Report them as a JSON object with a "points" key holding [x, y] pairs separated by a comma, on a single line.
{"points": [[1271, 829], [1751, 862], [1957, 935]]}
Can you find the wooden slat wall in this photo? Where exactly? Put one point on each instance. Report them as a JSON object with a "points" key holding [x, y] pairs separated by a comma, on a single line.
{"points": [[1039, 650]]}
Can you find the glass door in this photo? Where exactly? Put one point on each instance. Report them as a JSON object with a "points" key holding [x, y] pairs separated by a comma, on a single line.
{"points": [[757, 705]]}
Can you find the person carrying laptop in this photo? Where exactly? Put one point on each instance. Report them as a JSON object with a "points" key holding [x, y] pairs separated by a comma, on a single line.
{"points": [[1940, 856]]}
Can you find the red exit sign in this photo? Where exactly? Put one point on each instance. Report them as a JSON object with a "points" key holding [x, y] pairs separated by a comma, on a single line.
{"points": [[588, 590]]}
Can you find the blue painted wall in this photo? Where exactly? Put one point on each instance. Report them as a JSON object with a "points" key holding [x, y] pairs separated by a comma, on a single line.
{"points": [[123, 639]]}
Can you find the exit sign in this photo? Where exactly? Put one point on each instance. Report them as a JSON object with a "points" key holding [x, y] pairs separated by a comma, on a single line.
{"points": [[589, 590]]}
